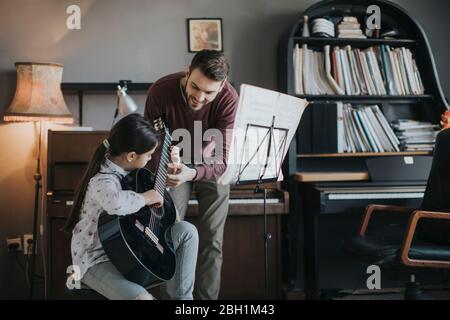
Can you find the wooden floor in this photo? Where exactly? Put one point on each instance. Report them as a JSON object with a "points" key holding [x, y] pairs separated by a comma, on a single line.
{"points": [[396, 294], [428, 293]]}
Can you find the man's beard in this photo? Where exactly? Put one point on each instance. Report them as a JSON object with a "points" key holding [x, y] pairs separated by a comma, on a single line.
{"points": [[195, 106], [190, 101]]}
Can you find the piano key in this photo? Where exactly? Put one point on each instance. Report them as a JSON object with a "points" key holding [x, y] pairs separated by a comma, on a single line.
{"points": [[232, 201], [379, 195], [244, 200], [373, 190]]}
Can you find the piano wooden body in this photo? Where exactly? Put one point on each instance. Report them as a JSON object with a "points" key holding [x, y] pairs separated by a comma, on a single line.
{"points": [[243, 258]]}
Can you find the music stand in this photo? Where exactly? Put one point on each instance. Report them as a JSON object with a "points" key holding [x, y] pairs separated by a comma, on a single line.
{"points": [[267, 145], [266, 122]]}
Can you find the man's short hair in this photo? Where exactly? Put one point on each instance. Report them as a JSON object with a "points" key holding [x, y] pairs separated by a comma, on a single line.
{"points": [[213, 64]]}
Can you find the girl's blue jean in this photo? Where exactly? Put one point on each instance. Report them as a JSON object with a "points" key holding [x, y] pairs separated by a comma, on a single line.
{"points": [[109, 282]]}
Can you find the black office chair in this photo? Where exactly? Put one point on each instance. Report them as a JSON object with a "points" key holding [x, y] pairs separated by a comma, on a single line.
{"points": [[426, 242]]}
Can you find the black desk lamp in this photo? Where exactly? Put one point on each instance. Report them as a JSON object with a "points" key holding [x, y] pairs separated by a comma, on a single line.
{"points": [[125, 104]]}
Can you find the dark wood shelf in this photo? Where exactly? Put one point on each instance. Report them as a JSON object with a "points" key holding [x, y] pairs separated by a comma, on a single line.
{"points": [[405, 99], [331, 176], [365, 154], [81, 88], [103, 86], [354, 42]]}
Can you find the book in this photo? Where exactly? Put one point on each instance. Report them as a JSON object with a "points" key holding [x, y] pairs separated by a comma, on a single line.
{"points": [[298, 67], [332, 82]]}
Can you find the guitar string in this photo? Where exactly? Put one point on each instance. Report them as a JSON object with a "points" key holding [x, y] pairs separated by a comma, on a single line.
{"points": [[154, 225]]}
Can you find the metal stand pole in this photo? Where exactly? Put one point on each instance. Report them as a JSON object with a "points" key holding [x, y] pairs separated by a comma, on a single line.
{"points": [[37, 186], [267, 237]]}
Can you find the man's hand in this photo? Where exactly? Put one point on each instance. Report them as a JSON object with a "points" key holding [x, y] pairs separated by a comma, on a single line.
{"points": [[174, 159], [445, 120], [183, 174]]}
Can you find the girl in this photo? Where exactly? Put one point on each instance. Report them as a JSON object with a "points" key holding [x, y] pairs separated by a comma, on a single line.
{"points": [[129, 146]]}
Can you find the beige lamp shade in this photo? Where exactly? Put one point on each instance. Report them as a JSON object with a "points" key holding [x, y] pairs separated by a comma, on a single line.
{"points": [[38, 94]]}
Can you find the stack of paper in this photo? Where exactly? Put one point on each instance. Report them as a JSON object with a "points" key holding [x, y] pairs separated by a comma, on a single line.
{"points": [[416, 135], [350, 28]]}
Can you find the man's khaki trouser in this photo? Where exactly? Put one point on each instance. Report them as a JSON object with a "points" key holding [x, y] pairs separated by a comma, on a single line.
{"points": [[213, 209]]}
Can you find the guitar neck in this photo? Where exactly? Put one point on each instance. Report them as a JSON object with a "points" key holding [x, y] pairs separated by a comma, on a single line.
{"points": [[161, 175]]}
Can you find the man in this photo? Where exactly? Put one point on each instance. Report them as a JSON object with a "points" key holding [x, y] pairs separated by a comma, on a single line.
{"points": [[199, 98]]}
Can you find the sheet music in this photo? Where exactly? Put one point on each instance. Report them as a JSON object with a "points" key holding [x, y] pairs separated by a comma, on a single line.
{"points": [[256, 111]]}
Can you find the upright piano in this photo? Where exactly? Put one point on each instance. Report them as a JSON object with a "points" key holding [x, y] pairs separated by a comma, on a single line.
{"points": [[243, 263], [329, 211]]}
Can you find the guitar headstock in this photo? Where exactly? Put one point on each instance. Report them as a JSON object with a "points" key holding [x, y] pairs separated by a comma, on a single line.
{"points": [[159, 124]]}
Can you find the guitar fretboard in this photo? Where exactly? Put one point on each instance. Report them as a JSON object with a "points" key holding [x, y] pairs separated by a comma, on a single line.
{"points": [[161, 175]]}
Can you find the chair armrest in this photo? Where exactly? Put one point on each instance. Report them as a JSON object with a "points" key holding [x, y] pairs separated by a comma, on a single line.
{"points": [[412, 225], [371, 208]]}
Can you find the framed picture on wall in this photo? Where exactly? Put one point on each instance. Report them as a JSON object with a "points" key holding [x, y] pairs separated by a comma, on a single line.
{"points": [[204, 33]]}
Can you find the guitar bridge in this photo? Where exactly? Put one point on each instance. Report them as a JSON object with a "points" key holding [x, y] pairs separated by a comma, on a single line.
{"points": [[149, 235]]}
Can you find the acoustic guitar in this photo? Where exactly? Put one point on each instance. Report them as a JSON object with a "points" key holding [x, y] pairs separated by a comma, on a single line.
{"points": [[137, 243]]}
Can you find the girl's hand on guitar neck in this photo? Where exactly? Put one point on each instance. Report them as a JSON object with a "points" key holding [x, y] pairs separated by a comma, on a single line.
{"points": [[152, 197]]}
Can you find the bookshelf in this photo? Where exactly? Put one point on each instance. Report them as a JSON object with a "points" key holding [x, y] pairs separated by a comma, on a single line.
{"points": [[307, 167], [421, 107]]}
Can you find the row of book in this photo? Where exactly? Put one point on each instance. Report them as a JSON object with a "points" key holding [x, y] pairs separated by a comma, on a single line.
{"points": [[364, 129], [415, 135], [349, 128], [377, 70]]}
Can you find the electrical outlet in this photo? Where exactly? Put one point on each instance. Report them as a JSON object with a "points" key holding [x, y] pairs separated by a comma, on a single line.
{"points": [[28, 244], [14, 243]]}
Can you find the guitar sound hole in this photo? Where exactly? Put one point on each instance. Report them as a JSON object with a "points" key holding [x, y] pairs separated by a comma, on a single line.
{"points": [[158, 212]]}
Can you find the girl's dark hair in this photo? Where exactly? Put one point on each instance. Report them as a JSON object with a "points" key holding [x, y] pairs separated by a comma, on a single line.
{"points": [[130, 134]]}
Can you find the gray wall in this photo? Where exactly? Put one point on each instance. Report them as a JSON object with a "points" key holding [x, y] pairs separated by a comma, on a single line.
{"points": [[142, 41]]}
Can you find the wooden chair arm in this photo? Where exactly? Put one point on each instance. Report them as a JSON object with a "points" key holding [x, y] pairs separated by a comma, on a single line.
{"points": [[371, 208], [412, 225]]}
